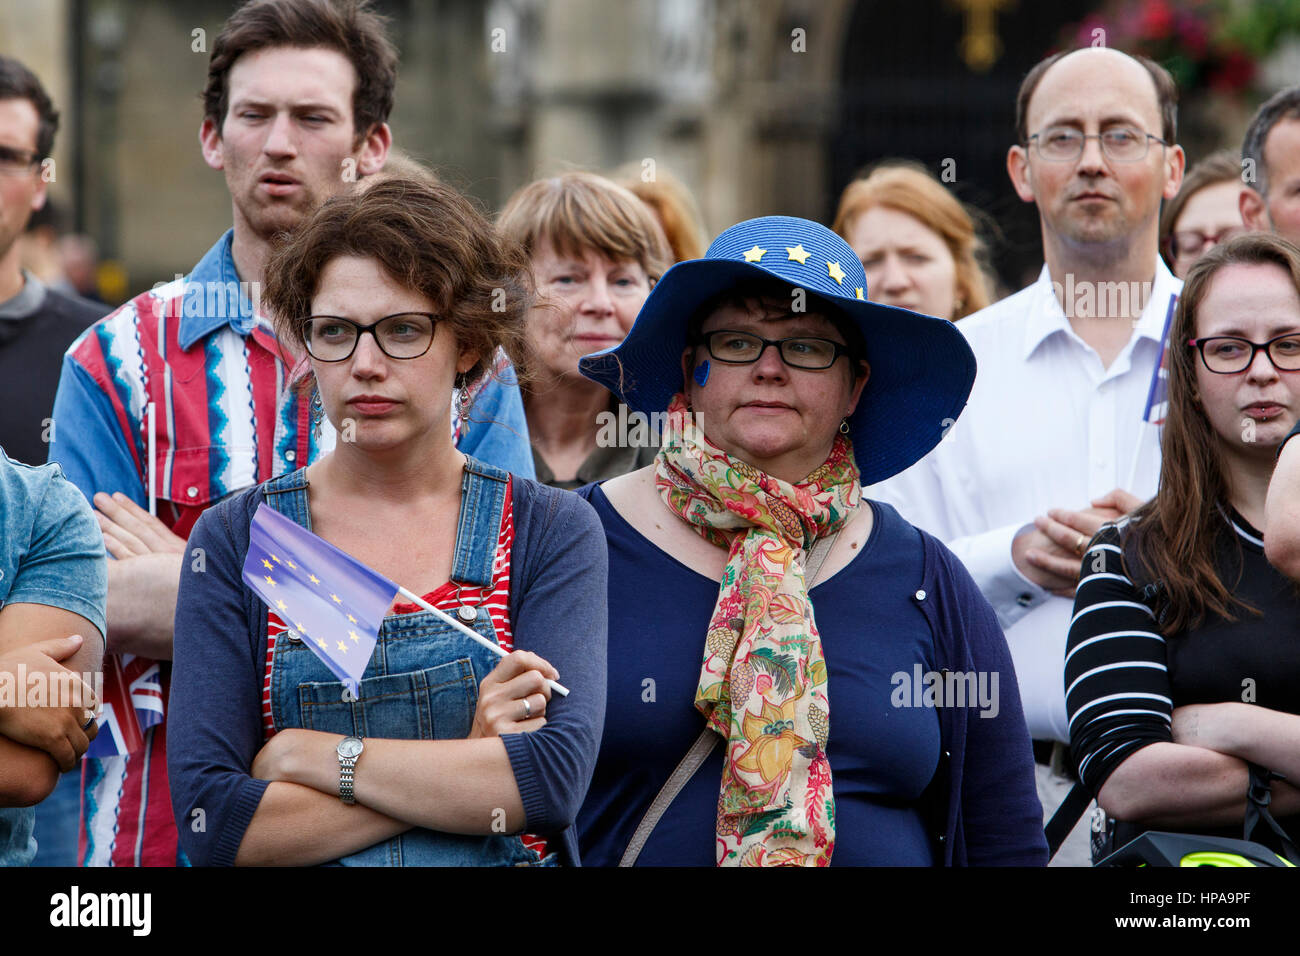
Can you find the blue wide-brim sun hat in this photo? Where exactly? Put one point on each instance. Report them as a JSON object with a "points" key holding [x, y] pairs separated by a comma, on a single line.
{"points": [[922, 369]]}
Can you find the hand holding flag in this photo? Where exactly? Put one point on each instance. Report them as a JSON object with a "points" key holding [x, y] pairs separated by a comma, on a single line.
{"points": [[333, 601]]}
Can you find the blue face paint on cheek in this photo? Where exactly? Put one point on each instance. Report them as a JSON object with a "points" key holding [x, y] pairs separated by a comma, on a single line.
{"points": [[702, 373]]}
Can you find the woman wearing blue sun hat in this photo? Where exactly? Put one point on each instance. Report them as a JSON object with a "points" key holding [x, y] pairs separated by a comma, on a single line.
{"points": [[856, 680]]}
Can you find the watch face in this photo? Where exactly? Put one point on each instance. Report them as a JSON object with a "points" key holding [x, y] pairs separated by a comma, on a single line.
{"points": [[350, 746]]}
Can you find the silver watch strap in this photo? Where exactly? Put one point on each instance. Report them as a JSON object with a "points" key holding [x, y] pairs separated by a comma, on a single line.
{"points": [[347, 778]]}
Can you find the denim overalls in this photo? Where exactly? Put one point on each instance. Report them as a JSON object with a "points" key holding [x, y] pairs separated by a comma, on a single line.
{"points": [[421, 682]]}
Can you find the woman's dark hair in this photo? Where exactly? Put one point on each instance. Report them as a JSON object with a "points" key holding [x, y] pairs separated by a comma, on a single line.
{"points": [[431, 240], [349, 27], [1171, 539]]}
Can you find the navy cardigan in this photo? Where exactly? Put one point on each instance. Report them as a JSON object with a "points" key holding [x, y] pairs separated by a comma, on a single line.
{"points": [[214, 722]]}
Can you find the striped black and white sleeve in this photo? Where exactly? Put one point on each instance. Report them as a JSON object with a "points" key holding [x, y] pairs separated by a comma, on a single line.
{"points": [[1117, 688]]}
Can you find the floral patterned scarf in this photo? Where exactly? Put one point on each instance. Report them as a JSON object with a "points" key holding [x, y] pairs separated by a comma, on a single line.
{"points": [[763, 682]]}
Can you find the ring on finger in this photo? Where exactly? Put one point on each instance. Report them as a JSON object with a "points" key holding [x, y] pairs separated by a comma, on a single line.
{"points": [[528, 709], [1081, 545]]}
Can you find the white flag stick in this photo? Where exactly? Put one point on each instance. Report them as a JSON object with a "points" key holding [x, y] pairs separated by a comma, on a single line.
{"points": [[1137, 456], [152, 468], [496, 649]]}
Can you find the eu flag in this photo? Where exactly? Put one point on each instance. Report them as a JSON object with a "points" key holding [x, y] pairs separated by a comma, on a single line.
{"points": [[334, 602]]}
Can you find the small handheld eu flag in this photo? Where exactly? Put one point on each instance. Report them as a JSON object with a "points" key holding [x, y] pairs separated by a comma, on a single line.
{"points": [[335, 603]]}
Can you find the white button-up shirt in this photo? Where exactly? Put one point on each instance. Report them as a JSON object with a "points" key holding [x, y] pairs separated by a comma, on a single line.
{"points": [[1047, 426]]}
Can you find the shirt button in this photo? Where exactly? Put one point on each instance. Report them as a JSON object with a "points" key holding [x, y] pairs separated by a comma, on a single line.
{"points": [[1024, 599], [192, 492], [289, 455], [920, 595]]}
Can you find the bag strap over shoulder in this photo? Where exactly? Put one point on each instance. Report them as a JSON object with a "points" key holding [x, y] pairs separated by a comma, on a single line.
{"points": [[699, 751], [708, 738]]}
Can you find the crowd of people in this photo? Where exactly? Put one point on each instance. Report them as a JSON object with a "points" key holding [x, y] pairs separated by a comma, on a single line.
{"points": [[819, 495]]}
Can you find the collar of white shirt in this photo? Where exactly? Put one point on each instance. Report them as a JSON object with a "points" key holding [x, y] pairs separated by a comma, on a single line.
{"points": [[1048, 318]]}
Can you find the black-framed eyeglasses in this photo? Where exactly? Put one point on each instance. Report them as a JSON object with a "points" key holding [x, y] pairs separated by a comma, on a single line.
{"points": [[403, 335], [746, 348], [15, 161], [1229, 355], [1123, 144]]}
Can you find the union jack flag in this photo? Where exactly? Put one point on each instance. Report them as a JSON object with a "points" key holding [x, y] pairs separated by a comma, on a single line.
{"points": [[121, 727], [1158, 394]]}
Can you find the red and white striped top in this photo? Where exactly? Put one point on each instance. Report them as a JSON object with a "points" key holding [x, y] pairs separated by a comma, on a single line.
{"points": [[495, 599]]}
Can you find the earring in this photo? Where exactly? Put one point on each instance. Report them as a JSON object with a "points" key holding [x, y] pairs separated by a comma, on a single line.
{"points": [[317, 414], [463, 400], [844, 426]]}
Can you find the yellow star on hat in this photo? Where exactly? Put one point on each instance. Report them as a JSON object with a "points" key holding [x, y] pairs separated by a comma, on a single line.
{"points": [[835, 271], [858, 290], [755, 255], [797, 254]]}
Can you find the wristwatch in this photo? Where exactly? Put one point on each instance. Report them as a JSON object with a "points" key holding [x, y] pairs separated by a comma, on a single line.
{"points": [[349, 750]]}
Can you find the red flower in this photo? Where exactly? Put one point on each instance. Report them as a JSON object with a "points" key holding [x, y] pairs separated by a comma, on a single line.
{"points": [[1156, 19]]}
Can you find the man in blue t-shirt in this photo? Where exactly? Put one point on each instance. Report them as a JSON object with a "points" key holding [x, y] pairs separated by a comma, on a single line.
{"points": [[53, 590]]}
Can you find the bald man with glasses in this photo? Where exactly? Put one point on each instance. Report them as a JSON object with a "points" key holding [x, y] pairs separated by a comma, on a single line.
{"points": [[1053, 442]]}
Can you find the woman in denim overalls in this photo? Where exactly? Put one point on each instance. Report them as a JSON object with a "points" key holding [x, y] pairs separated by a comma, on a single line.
{"points": [[461, 750]]}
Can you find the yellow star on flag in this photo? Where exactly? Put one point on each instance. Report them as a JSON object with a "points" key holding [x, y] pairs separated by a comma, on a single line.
{"points": [[321, 644], [858, 290], [355, 637], [755, 255], [291, 564], [269, 565], [275, 559], [835, 271], [797, 254], [313, 579], [343, 648], [301, 630], [281, 605], [269, 580], [336, 599], [351, 619]]}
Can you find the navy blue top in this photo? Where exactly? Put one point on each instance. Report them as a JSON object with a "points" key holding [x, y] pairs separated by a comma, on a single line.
{"points": [[882, 756]]}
